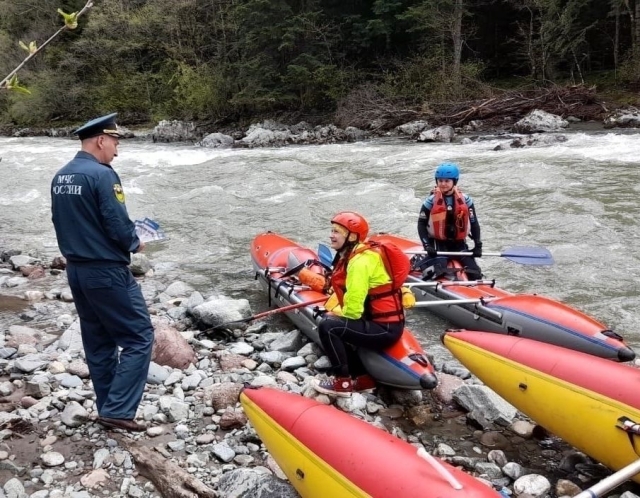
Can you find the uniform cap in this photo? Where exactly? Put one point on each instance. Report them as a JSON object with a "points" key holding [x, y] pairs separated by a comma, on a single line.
{"points": [[105, 125]]}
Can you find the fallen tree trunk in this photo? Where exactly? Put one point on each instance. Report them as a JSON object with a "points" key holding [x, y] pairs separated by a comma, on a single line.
{"points": [[170, 480]]}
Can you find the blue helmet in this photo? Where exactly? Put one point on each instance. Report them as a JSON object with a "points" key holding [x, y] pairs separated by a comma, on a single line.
{"points": [[448, 171]]}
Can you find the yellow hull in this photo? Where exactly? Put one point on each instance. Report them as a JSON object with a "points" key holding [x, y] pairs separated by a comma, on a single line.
{"points": [[582, 417], [326, 453], [311, 476]]}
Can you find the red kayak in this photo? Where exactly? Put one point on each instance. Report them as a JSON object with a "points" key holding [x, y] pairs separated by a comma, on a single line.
{"points": [[523, 315], [404, 365], [327, 453]]}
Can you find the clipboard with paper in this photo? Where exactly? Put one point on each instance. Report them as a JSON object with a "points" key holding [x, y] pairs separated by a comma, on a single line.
{"points": [[149, 230]]}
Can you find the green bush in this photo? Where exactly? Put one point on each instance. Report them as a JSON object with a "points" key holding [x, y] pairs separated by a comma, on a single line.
{"points": [[133, 94], [54, 96], [199, 92], [314, 83], [426, 77], [629, 71]]}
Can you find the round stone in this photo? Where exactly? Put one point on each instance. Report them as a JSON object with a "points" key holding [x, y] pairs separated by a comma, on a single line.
{"points": [[52, 459]]}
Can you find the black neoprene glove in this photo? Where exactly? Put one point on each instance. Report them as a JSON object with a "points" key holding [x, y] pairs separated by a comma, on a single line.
{"points": [[477, 250], [431, 251]]}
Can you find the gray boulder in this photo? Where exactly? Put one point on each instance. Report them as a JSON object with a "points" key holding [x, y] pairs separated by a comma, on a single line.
{"points": [[216, 140], [261, 137], [412, 128], [74, 415], [354, 134], [140, 264], [484, 405], [254, 483], [174, 131], [218, 310], [21, 260], [439, 134], [540, 121], [623, 118]]}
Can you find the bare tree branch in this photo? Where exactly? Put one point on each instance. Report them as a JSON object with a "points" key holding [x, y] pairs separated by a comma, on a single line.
{"points": [[3, 83]]}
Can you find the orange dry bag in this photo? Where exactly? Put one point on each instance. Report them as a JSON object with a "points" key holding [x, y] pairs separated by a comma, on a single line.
{"points": [[312, 279]]}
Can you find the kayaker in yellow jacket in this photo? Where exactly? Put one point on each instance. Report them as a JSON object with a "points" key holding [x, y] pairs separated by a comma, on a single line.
{"points": [[371, 313]]}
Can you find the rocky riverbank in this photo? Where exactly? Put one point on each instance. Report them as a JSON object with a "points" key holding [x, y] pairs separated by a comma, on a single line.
{"points": [[50, 445], [271, 133]]}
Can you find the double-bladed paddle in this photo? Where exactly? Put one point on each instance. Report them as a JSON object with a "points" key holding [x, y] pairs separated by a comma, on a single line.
{"points": [[524, 255], [269, 313], [452, 283], [325, 255], [450, 302]]}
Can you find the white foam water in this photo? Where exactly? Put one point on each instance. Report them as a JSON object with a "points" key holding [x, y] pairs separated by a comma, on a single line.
{"points": [[578, 198]]}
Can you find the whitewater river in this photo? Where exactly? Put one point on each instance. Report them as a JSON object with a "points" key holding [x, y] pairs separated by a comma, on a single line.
{"points": [[579, 199]]}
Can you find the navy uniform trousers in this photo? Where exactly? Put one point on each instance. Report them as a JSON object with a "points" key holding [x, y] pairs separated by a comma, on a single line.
{"points": [[113, 314]]}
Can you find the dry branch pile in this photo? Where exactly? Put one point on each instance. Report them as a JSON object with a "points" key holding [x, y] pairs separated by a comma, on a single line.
{"points": [[578, 100], [366, 108]]}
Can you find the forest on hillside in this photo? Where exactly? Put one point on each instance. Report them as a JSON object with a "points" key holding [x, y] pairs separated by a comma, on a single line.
{"points": [[225, 61]]}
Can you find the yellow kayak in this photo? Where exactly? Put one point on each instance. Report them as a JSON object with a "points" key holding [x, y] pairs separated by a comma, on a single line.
{"points": [[327, 453], [591, 403]]}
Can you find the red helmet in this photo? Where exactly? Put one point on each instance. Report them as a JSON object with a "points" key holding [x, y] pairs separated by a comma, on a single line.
{"points": [[352, 222]]}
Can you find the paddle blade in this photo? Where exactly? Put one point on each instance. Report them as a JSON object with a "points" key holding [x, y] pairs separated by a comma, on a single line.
{"points": [[528, 255], [325, 254]]}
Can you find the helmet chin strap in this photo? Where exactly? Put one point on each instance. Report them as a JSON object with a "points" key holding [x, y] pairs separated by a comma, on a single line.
{"points": [[451, 191], [348, 245]]}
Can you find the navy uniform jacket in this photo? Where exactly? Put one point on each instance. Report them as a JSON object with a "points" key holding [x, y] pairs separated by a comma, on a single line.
{"points": [[89, 213]]}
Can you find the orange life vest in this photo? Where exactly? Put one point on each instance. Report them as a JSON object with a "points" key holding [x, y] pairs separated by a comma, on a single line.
{"points": [[383, 303], [440, 217]]}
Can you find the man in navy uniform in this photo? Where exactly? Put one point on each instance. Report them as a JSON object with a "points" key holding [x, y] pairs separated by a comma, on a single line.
{"points": [[96, 237]]}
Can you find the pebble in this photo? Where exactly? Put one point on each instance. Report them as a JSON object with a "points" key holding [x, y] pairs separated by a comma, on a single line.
{"points": [[155, 431], [52, 459], [205, 438]]}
